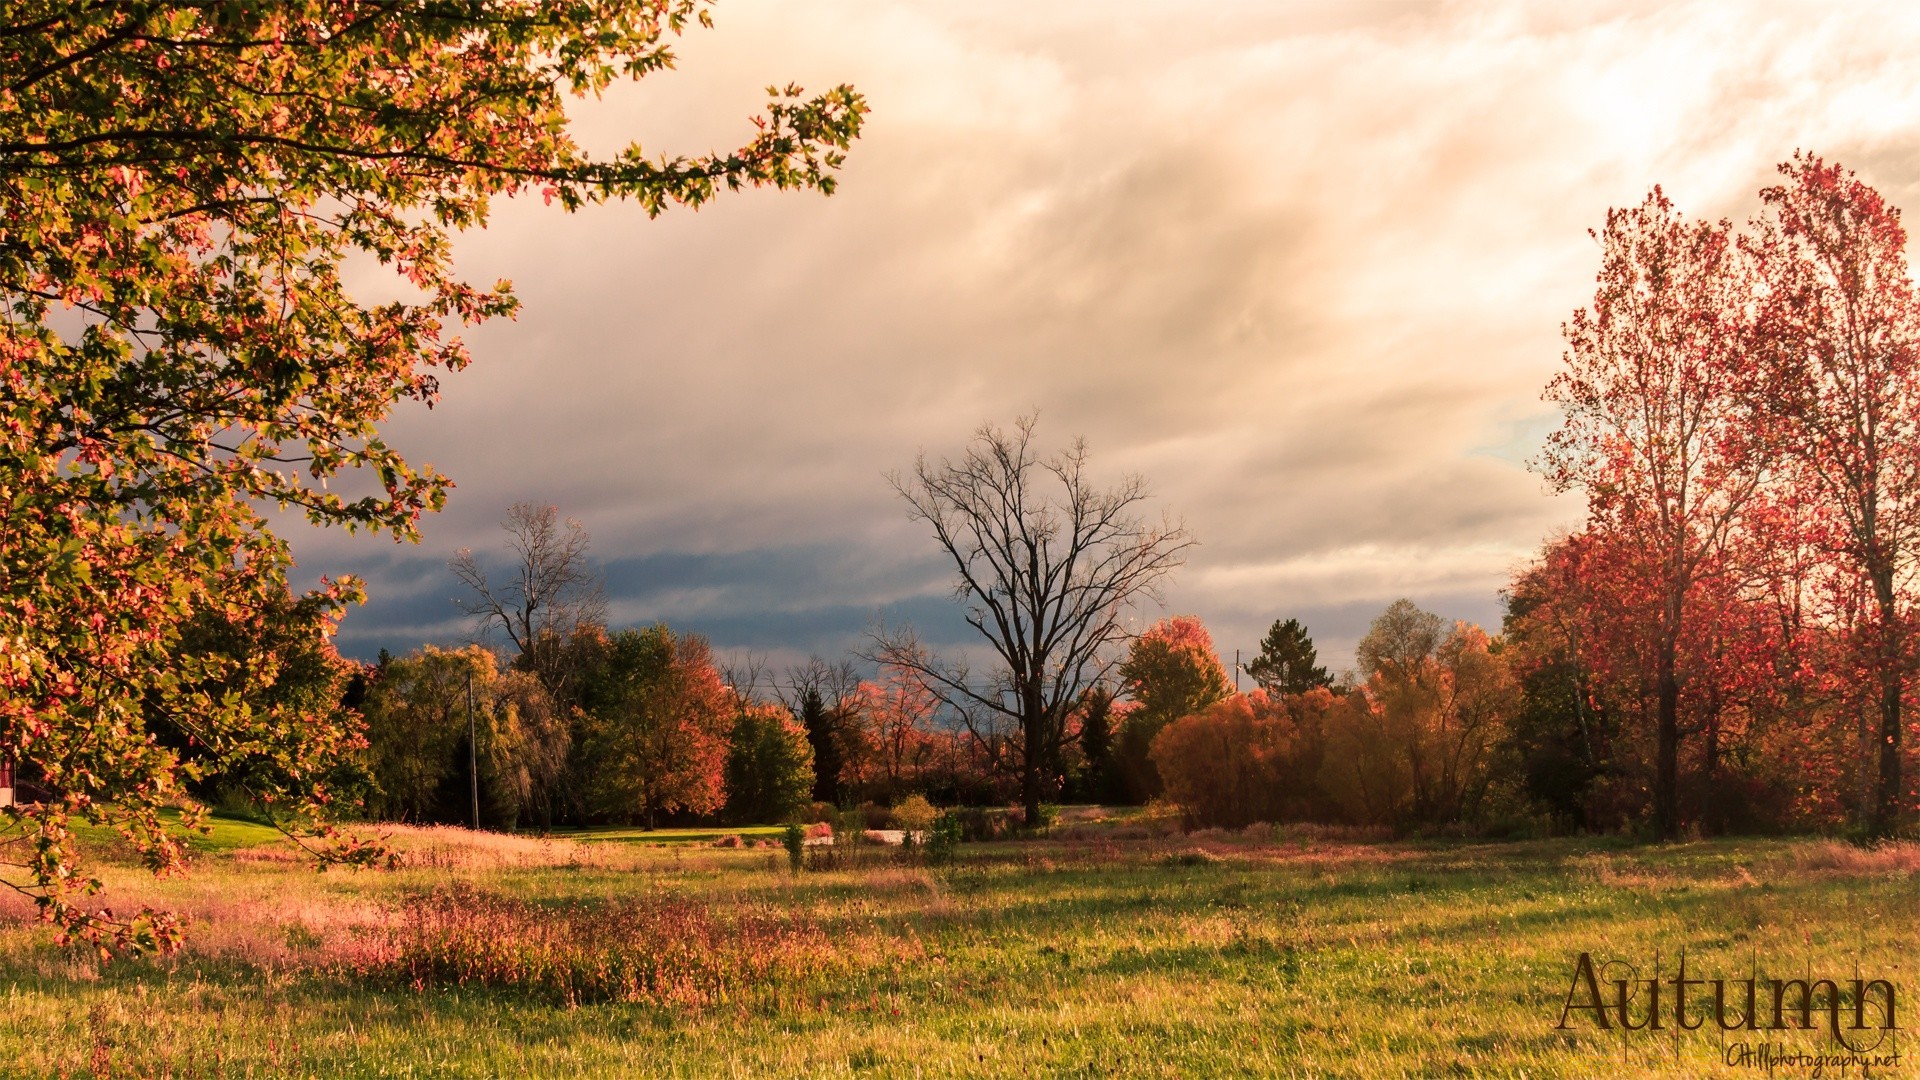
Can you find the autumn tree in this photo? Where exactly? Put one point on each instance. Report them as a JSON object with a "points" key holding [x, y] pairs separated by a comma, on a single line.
{"points": [[1654, 429], [550, 592], [1231, 764], [896, 718], [1839, 342], [1417, 743], [1287, 663], [656, 727], [1169, 672], [1046, 563], [181, 187]]}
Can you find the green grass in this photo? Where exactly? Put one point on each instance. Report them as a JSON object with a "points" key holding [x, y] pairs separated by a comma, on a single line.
{"points": [[1163, 957]]}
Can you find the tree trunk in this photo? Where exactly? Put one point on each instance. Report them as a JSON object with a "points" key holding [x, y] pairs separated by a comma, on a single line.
{"points": [[1034, 725], [1886, 803], [1666, 780]]}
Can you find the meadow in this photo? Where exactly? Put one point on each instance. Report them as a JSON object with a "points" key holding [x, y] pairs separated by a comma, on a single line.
{"points": [[1106, 948]]}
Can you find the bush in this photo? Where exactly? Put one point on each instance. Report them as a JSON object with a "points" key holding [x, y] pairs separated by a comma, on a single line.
{"points": [[874, 816], [979, 823], [943, 841], [795, 839], [819, 812], [914, 814]]}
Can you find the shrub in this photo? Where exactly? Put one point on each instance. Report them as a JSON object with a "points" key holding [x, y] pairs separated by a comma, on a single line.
{"points": [[943, 840], [795, 839], [1227, 766], [978, 824], [914, 814]]}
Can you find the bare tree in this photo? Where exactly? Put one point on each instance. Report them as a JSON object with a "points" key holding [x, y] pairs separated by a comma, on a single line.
{"points": [[552, 592], [1047, 566], [745, 674]]}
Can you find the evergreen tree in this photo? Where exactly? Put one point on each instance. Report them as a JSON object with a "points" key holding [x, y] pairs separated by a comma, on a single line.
{"points": [[1286, 661]]}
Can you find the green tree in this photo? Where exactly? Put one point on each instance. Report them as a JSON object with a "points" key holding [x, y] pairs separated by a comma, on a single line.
{"points": [[181, 187], [769, 766], [418, 744], [655, 732], [1286, 661]]}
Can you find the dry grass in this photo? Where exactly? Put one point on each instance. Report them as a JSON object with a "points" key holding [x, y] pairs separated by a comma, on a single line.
{"points": [[1889, 858], [657, 950]]}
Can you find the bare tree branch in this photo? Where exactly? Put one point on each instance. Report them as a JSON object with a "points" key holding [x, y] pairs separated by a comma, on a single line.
{"points": [[1046, 564]]}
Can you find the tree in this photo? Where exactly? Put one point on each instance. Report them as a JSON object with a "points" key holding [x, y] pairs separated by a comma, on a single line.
{"points": [[553, 592], [657, 721], [1417, 743], [896, 720], [181, 187], [1654, 429], [1047, 564], [769, 766], [1099, 775], [1170, 671], [1840, 344], [825, 701], [1286, 661], [418, 738], [1231, 764]]}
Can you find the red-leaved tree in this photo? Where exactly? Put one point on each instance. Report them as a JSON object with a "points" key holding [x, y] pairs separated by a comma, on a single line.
{"points": [[1656, 433]]}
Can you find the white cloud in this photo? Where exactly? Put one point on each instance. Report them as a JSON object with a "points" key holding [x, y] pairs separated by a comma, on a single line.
{"points": [[1301, 265]]}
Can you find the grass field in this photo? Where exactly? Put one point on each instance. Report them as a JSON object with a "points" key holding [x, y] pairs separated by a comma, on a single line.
{"points": [[1215, 954]]}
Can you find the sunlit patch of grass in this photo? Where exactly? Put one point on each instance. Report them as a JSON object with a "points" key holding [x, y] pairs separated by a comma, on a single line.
{"points": [[1270, 954]]}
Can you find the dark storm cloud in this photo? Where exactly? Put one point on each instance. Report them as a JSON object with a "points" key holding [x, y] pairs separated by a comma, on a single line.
{"points": [[1303, 266]]}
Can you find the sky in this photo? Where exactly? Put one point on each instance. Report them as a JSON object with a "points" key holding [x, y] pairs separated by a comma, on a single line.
{"points": [[1301, 266]]}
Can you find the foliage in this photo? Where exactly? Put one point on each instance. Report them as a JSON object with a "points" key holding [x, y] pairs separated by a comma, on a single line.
{"points": [[1286, 663], [1656, 433], [1169, 672], [182, 186], [1231, 764], [1839, 320], [794, 839], [656, 726], [943, 840], [769, 772], [1418, 743], [914, 814], [418, 747], [1741, 414]]}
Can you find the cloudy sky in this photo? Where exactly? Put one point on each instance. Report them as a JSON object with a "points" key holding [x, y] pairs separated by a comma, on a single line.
{"points": [[1301, 265]]}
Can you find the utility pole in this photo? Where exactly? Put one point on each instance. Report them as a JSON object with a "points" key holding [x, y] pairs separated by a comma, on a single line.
{"points": [[1236, 671], [473, 753]]}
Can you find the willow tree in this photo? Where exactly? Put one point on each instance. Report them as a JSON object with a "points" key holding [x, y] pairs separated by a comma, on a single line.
{"points": [[1047, 563], [181, 188]]}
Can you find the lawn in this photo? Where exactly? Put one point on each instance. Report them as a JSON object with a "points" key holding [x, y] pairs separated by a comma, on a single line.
{"points": [[1267, 953]]}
